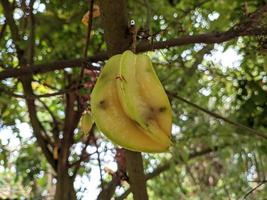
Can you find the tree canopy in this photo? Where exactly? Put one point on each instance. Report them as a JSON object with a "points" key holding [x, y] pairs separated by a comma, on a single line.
{"points": [[211, 57]]}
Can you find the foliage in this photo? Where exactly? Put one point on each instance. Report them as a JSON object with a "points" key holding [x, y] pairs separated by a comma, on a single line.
{"points": [[229, 79]]}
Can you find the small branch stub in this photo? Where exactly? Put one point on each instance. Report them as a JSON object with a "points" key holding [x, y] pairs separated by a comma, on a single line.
{"points": [[133, 33]]}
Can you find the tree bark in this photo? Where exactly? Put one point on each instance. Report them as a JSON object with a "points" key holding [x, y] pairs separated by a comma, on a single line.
{"points": [[118, 39], [115, 24], [64, 187], [134, 165]]}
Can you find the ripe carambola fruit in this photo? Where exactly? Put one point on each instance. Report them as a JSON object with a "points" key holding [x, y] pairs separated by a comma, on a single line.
{"points": [[143, 97], [129, 104]]}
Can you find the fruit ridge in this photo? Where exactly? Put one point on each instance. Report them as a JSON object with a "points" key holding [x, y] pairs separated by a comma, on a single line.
{"points": [[110, 117], [132, 95], [130, 106]]}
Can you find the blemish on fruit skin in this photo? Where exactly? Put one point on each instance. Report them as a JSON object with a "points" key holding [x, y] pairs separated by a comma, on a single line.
{"points": [[120, 77], [149, 117], [162, 109], [102, 104]]}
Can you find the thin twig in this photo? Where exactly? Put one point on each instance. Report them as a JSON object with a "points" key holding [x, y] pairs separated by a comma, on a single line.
{"points": [[58, 93], [55, 121], [88, 36], [83, 156], [31, 48], [89, 29], [133, 32], [99, 165], [76, 163], [236, 124], [45, 84], [253, 189], [258, 181]]}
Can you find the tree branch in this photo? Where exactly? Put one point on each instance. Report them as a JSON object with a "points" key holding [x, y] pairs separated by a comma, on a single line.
{"points": [[26, 82], [55, 121], [83, 155], [37, 127], [236, 124], [205, 38], [89, 28], [108, 190], [87, 40], [47, 67], [37, 96], [31, 49], [253, 189], [8, 12], [71, 121], [99, 164]]}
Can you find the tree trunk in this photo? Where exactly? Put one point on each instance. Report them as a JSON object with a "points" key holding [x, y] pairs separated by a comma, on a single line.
{"points": [[135, 169], [65, 188]]}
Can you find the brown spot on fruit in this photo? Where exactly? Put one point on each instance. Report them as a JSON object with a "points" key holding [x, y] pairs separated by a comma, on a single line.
{"points": [[103, 104], [120, 77], [162, 109], [151, 109]]}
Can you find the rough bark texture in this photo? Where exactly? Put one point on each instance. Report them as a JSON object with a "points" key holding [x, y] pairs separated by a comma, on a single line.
{"points": [[118, 39]]}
